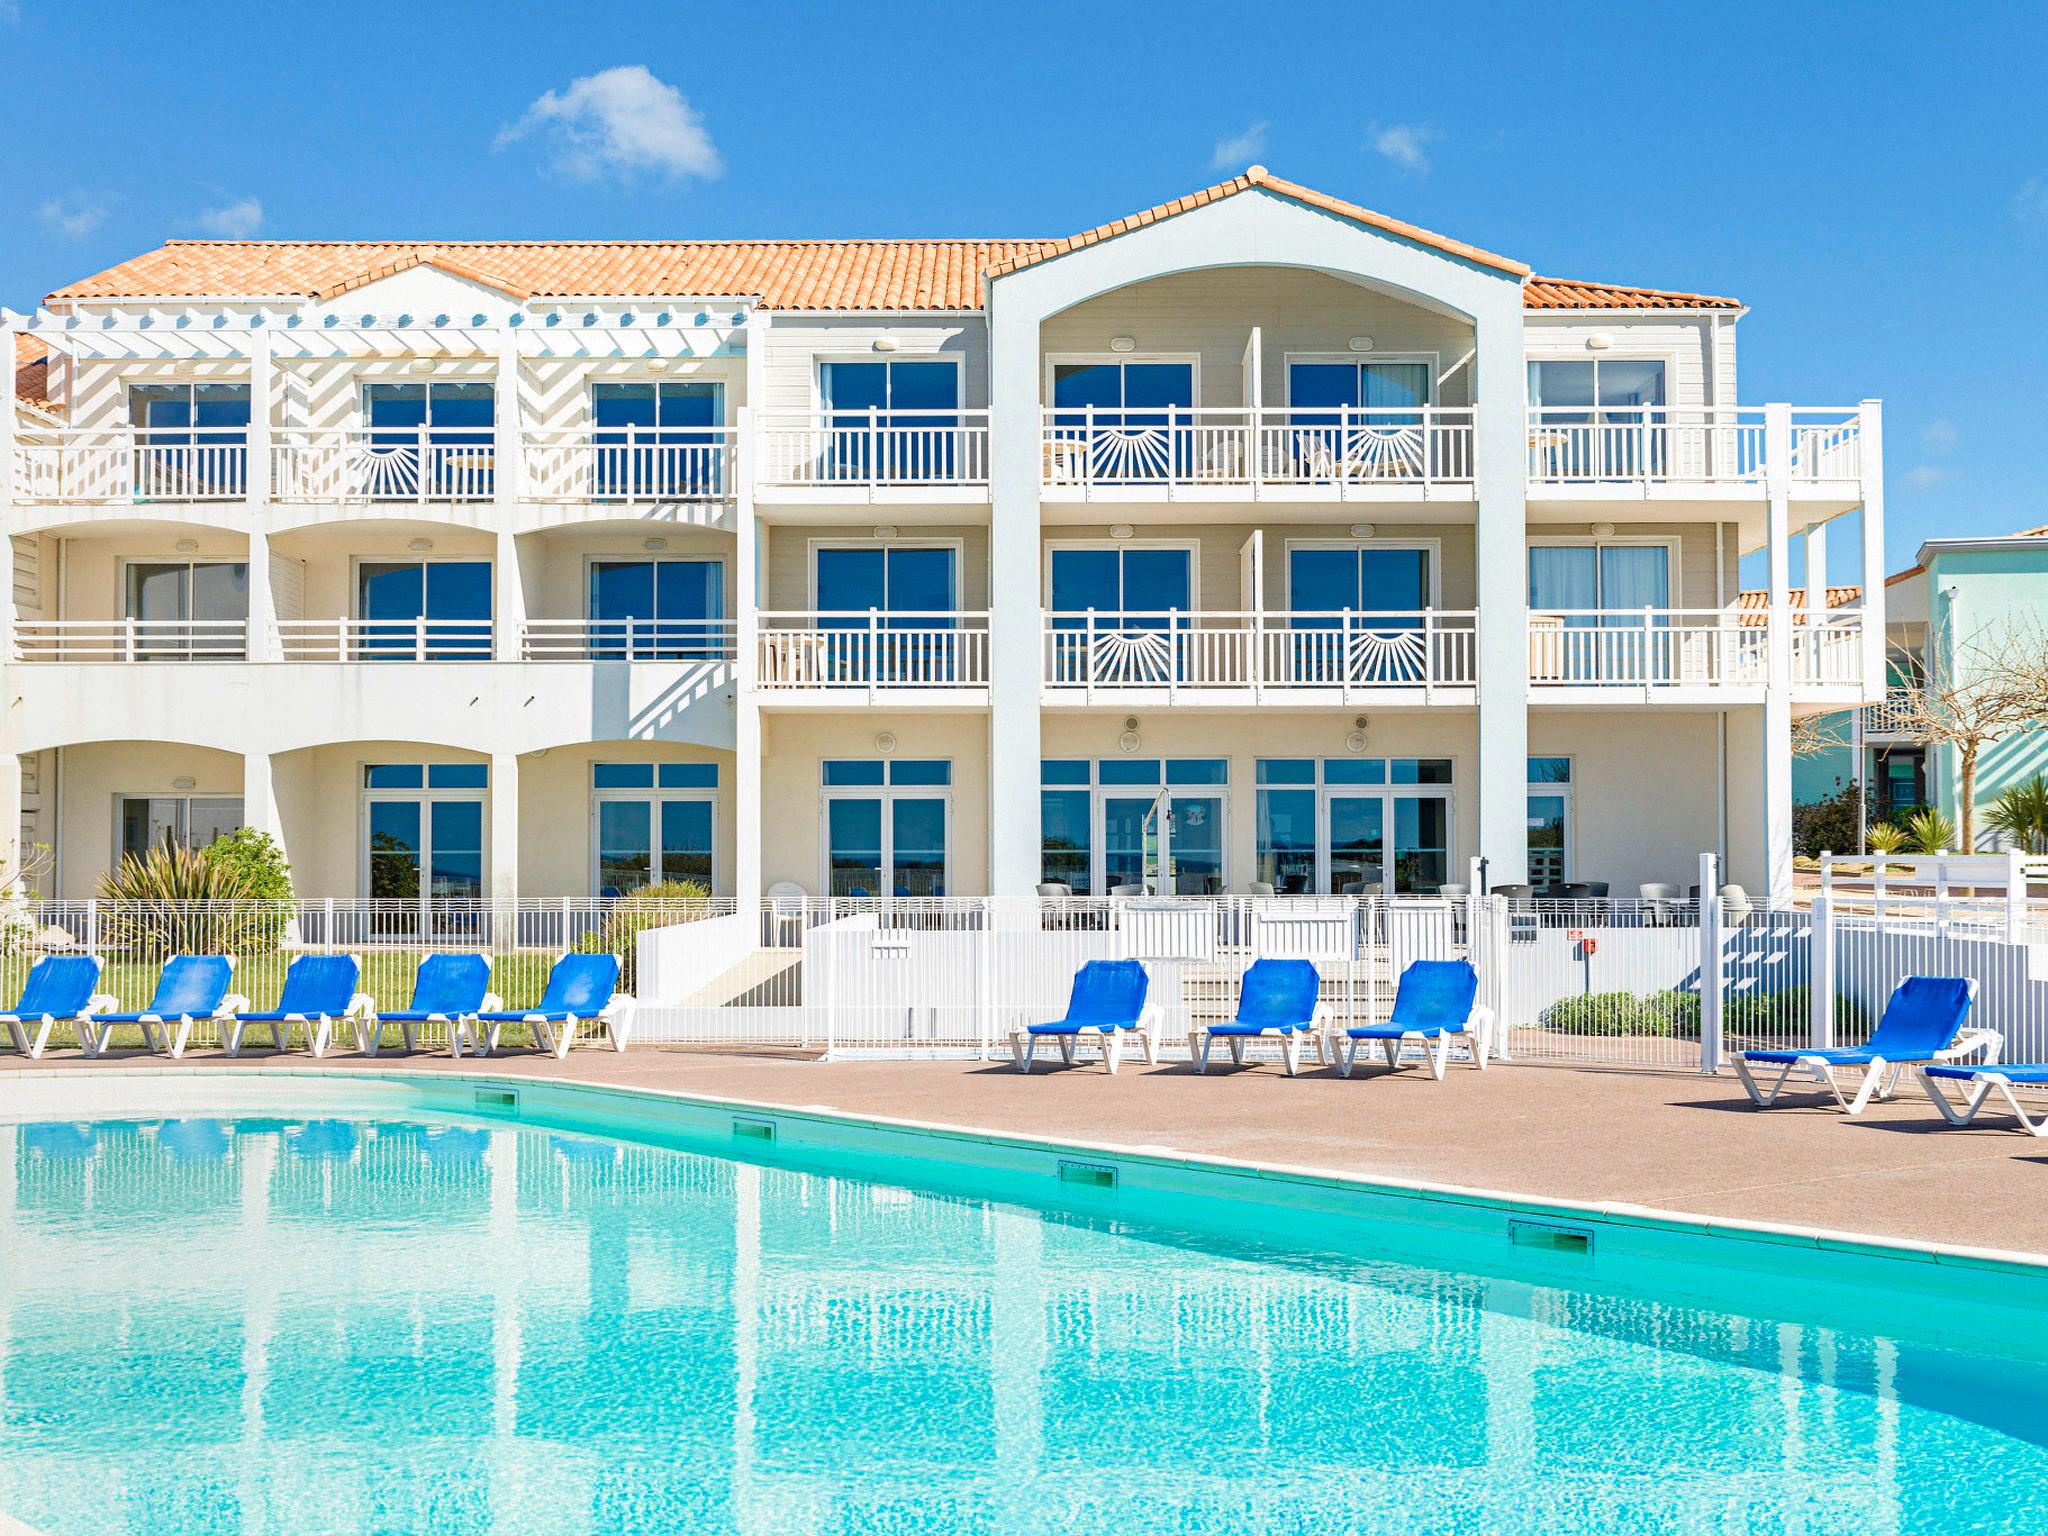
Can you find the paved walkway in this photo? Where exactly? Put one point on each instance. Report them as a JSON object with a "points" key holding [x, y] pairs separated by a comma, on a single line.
{"points": [[1679, 1143]]}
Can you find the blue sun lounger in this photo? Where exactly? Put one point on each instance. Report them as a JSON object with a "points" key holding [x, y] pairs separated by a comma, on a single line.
{"points": [[1984, 1082], [1435, 1003], [1108, 1002], [61, 989], [319, 992], [1277, 997], [1922, 1024], [446, 988], [581, 988], [191, 990]]}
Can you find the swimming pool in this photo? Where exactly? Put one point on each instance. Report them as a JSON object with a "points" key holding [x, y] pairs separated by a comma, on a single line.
{"points": [[458, 1309]]}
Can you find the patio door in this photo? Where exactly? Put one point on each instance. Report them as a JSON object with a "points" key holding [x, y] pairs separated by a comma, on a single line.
{"points": [[1358, 420], [452, 597], [1619, 591], [1138, 597], [1360, 607], [1170, 844], [1125, 423], [894, 420], [899, 587], [184, 605], [657, 610], [1358, 844], [657, 439]]}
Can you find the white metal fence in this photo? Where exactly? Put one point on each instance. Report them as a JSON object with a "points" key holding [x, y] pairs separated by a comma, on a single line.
{"points": [[1673, 983]]}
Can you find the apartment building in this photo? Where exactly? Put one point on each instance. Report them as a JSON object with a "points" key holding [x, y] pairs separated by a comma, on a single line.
{"points": [[1256, 539]]}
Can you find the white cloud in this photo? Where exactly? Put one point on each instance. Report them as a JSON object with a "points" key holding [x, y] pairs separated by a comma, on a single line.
{"points": [[2030, 203], [1941, 435], [1402, 143], [233, 221], [1239, 150], [617, 122], [73, 216], [1925, 477]]}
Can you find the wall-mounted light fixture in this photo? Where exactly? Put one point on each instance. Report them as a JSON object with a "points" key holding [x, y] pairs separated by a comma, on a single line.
{"points": [[421, 365], [1123, 343], [1599, 341], [1601, 530], [420, 546], [1361, 530], [1120, 530], [653, 546], [1361, 343], [885, 742], [182, 781], [885, 343], [885, 531], [657, 365], [187, 546]]}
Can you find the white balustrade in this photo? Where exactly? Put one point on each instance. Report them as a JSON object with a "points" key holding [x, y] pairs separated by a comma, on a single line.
{"points": [[1088, 449], [870, 651], [122, 464], [632, 465], [629, 639], [899, 449], [1593, 445], [1647, 648], [145, 640], [385, 464], [1177, 652], [414, 639]]}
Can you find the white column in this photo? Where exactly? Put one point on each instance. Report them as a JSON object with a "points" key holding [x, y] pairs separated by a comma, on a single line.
{"points": [[10, 824], [1816, 539], [1014, 599], [1777, 733], [1500, 467], [748, 561], [259, 796], [504, 808], [8, 417], [1872, 414], [509, 599], [262, 607]]}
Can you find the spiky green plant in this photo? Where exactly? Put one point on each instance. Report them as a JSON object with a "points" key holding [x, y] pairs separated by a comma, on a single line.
{"points": [[171, 900], [2021, 813], [1884, 837], [1930, 830]]}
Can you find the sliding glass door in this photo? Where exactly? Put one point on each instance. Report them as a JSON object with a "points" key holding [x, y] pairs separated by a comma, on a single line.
{"points": [[888, 589], [895, 420], [1121, 614], [1598, 611], [657, 610], [657, 440], [1124, 423], [1360, 610], [1357, 420], [1599, 418]]}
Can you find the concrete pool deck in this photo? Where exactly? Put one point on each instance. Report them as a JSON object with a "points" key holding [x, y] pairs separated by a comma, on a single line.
{"points": [[1677, 1142]]}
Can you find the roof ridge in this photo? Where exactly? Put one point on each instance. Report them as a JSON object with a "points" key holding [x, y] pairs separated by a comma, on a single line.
{"points": [[425, 240]]}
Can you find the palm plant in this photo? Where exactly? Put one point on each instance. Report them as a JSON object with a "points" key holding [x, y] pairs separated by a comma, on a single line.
{"points": [[172, 900], [1884, 837], [2021, 813], [1930, 830]]}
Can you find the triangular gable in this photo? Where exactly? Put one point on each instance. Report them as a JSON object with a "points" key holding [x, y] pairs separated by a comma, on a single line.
{"points": [[1259, 178], [439, 260]]}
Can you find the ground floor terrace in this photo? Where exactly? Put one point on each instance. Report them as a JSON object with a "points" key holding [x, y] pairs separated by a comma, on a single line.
{"points": [[1667, 1141], [882, 802]]}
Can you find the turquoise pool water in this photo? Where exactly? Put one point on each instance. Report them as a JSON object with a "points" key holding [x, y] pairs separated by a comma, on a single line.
{"points": [[352, 1325]]}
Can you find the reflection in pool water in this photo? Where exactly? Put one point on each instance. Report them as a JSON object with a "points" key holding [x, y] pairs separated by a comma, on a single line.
{"points": [[339, 1325]]}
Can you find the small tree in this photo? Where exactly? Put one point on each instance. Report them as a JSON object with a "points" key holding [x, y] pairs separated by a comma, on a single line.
{"points": [[257, 858], [1976, 693]]}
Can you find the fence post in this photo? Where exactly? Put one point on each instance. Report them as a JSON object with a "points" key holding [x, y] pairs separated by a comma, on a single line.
{"points": [[328, 920], [987, 988], [1821, 974], [1712, 974], [2015, 896]]}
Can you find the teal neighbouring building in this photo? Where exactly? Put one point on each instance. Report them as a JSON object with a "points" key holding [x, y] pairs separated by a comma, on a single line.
{"points": [[1960, 588]]}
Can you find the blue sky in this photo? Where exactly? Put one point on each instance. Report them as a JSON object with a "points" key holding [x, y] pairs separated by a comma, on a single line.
{"points": [[1871, 180]]}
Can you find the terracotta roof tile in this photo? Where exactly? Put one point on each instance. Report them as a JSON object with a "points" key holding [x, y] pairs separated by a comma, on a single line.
{"points": [[1565, 293], [32, 372], [1754, 605], [780, 274]]}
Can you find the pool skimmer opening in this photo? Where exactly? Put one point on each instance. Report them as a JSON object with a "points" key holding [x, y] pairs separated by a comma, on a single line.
{"points": [[752, 1130], [1550, 1237], [1090, 1175], [497, 1098]]}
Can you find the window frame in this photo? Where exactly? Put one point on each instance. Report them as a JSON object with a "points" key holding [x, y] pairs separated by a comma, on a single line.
{"points": [[958, 547], [1674, 564], [1192, 547], [422, 796], [1432, 550], [885, 794], [1162, 792], [1667, 360], [184, 797], [654, 798], [820, 408], [1386, 792], [1565, 790], [1432, 363]]}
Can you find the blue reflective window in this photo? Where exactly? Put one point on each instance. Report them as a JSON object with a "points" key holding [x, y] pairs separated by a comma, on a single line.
{"points": [[1128, 770], [844, 771], [1065, 833], [392, 776], [1420, 770], [1550, 770], [921, 771], [689, 775], [1198, 770], [623, 776], [1286, 770], [1354, 770], [458, 775], [1063, 770]]}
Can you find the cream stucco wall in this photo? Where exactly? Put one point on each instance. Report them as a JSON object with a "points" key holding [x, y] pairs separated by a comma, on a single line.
{"points": [[1646, 791], [793, 745], [556, 826], [87, 781], [319, 799]]}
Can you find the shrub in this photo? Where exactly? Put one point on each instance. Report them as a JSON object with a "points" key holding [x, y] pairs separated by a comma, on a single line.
{"points": [[256, 855], [172, 900], [1930, 831], [1828, 826], [1672, 1014], [2021, 813], [652, 906], [1883, 837], [1773, 1018]]}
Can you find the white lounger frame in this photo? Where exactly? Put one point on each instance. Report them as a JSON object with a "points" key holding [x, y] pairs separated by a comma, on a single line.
{"points": [[1880, 1077], [1108, 1039], [369, 1028], [166, 1035], [31, 1034], [552, 1036], [1316, 1031], [1978, 1093], [1476, 1032]]}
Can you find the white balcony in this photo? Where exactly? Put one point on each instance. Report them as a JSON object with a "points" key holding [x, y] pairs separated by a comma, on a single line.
{"points": [[394, 465], [628, 466], [835, 657], [1644, 450], [1225, 658], [1227, 453], [874, 455], [415, 639], [1681, 655], [681, 641], [146, 640], [1894, 719], [124, 465]]}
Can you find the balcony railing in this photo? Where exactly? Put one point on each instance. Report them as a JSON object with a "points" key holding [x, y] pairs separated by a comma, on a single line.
{"points": [[121, 464], [103, 640], [386, 464], [629, 465], [1829, 654], [415, 639], [1896, 716], [871, 651], [674, 640], [1175, 651], [1177, 448], [872, 450], [1666, 445]]}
